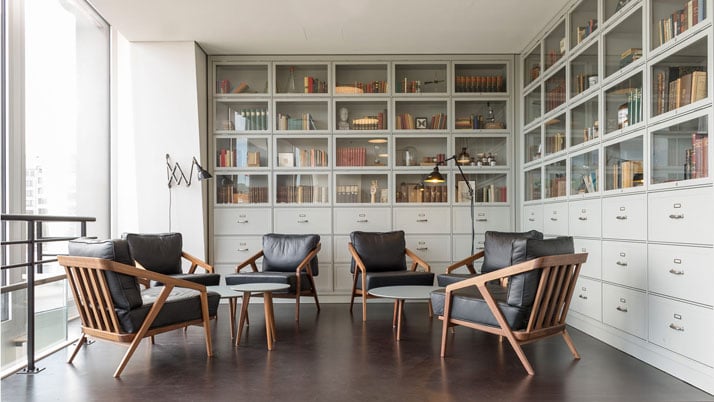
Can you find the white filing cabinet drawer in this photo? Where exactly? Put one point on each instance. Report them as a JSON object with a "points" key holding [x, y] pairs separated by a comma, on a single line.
{"points": [[555, 219], [485, 218], [236, 249], [242, 221], [430, 248], [625, 263], [682, 328], [624, 217], [585, 218], [592, 267], [340, 250], [423, 220], [348, 220], [682, 216], [342, 278], [303, 220], [587, 298], [625, 309], [461, 246], [533, 217], [682, 272]]}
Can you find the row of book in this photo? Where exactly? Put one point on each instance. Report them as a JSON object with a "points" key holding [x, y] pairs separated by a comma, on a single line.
{"points": [[557, 186], [372, 87], [230, 195], [480, 83], [674, 90], [314, 85], [590, 133], [310, 157], [696, 164], [304, 122], [582, 82], [349, 194], [405, 121], [584, 31], [630, 55], [694, 11], [552, 57], [491, 193], [229, 157], [554, 93], [475, 122], [417, 193], [555, 142], [631, 112], [369, 122], [626, 174], [251, 119], [588, 183], [351, 156], [302, 194]]}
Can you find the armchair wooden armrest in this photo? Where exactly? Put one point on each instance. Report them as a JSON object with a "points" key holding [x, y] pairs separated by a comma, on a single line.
{"points": [[196, 262], [467, 262], [305, 263], [358, 261], [416, 260], [250, 261]]}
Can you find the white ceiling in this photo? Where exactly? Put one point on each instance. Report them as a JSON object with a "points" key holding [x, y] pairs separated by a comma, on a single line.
{"points": [[335, 26]]}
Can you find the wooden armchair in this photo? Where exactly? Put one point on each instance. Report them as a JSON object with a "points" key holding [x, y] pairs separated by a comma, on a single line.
{"points": [[112, 307], [533, 306]]}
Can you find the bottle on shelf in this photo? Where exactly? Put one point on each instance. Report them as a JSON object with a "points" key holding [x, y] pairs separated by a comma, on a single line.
{"points": [[290, 87]]}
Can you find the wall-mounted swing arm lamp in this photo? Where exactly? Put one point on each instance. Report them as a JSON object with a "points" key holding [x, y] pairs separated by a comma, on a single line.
{"points": [[176, 176], [436, 177]]}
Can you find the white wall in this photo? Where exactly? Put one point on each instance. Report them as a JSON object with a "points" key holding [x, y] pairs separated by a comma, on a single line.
{"points": [[161, 109]]}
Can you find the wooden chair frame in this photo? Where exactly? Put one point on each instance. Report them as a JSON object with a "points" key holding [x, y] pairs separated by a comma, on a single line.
{"points": [[361, 269], [96, 307], [549, 310], [303, 266]]}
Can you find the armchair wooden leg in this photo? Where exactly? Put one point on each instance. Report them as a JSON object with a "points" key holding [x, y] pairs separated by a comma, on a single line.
{"points": [[314, 292], [571, 345], [80, 342], [132, 348], [243, 316], [444, 333], [297, 307], [206, 324], [364, 306], [521, 355]]}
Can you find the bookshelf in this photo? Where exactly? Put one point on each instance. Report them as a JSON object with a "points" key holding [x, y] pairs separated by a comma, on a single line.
{"points": [[631, 172]]}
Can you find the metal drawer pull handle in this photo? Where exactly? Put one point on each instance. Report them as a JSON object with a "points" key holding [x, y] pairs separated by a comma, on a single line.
{"points": [[583, 218], [622, 264], [676, 216], [422, 248], [583, 297], [623, 309], [302, 221], [243, 249], [676, 327], [482, 220], [422, 220], [553, 219], [362, 221], [621, 217], [531, 219], [675, 272], [242, 221]]}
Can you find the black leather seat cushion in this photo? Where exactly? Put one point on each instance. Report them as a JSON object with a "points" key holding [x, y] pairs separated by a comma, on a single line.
{"points": [[203, 279], [445, 280], [380, 252], [288, 278], [396, 278], [500, 251], [468, 305], [124, 289], [157, 252], [182, 305], [283, 253]]}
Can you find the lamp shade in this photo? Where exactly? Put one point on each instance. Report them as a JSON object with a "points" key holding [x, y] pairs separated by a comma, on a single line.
{"points": [[202, 173], [434, 176]]}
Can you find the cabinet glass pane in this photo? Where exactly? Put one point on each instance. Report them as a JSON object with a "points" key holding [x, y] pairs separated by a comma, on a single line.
{"points": [[297, 115], [419, 115], [555, 90], [673, 17], [583, 70], [531, 66], [533, 144], [302, 189], [614, 7], [361, 151], [555, 134], [361, 188], [481, 151], [420, 78], [412, 189], [623, 44], [302, 152], [623, 164], [241, 79], [623, 104], [583, 22], [480, 115], [356, 115], [420, 151], [584, 174], [680, 152], [555, 179], [241, 152], [241, 188], [680, 79], [240, 116], [301, 78], [532, 105], [476, 78], [555, 45], [584, 124], [361, 79], [488, 187], [532, 185]]}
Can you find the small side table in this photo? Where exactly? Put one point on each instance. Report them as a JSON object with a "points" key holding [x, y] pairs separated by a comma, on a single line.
{"points": [[267, 290], [400, 294], [232, 296]]}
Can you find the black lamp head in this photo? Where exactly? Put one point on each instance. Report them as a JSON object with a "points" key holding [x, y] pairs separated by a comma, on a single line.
{"points": [[434, 176], [202, 173]]}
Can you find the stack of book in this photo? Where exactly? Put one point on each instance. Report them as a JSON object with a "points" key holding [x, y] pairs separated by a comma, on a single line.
{"points": [[480, 83], [555, 143], [226, 157], [310, 157], [694, 11], [314, 85], [584, 31], [626, 174], [302, 194], [554, 92], [368, 122], [305, 122], [351, 156], [557, 186], [251, 119], [696, 164], [348, 194], [438, 122], [630, 55], [405, 121], [634, 106]]}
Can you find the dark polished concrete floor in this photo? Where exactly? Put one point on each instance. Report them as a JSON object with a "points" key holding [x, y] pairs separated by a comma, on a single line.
{"points": [[336, 357]]}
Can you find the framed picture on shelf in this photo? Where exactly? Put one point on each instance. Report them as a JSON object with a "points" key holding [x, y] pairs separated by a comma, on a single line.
{"points": [[286, 159], [420, 123]]}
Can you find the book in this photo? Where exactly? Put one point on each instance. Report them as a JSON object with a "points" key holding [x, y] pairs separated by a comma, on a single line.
{"points": [[699, 86], [685, 91]]}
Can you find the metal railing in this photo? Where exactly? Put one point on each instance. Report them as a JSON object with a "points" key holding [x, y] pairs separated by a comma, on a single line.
{"points": [[35, 259]]}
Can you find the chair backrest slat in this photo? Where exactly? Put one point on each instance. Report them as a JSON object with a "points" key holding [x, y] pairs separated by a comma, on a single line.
{"points": [[93, 298], [554, 305]]}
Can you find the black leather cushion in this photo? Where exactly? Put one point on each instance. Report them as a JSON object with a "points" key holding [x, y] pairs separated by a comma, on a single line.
{"points": [[468, 304], [500, 251], [124, 289], [380, 252], [396, 278], [283, 253], [203, 279], [522, 288], [444, 280], [288, 278], [182, 305], [157, 252]]}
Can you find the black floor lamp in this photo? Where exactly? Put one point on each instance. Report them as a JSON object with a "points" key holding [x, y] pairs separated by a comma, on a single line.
{"points": [[436, 177]]}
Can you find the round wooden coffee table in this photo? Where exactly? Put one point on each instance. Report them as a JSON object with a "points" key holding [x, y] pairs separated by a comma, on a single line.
{"points": [[267, 290], [400, 294]]}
